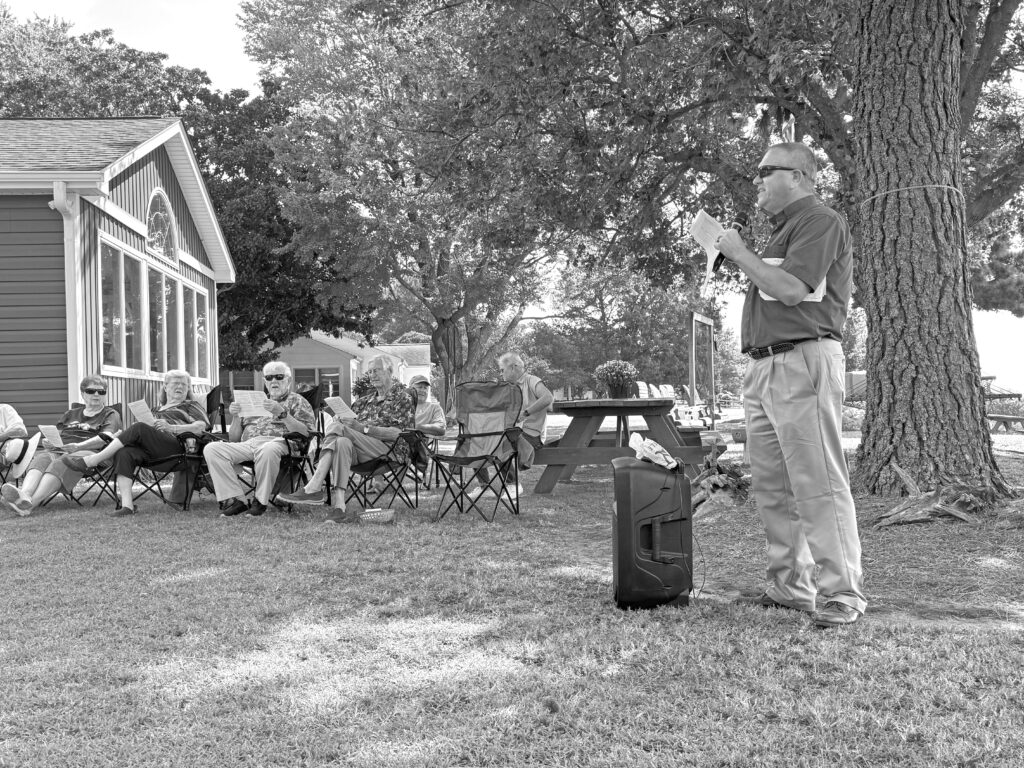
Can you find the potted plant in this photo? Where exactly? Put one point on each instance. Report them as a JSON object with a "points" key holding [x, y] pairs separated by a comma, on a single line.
{"points": [[618, 376]]}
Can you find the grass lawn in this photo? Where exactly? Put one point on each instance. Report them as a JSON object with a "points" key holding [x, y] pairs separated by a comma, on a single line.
{"points": [[185, 639]]}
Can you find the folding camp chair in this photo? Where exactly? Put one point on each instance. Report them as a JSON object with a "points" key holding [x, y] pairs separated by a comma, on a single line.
{"points": [[385, 475], [485, 451], [100, 479], [188, 466], [298, 464]]}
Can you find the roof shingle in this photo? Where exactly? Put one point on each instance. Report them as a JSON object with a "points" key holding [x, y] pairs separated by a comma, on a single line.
{"points": [[73, 144]]}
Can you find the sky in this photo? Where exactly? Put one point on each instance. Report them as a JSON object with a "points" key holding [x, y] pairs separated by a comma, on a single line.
{"points": [[193, 33], [205, 34]]}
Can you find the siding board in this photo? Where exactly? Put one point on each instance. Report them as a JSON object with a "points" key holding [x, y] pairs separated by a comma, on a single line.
{"points": [[33, 342]]}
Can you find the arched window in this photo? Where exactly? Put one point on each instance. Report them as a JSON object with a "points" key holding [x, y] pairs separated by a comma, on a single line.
{"points": [[161, 232]]}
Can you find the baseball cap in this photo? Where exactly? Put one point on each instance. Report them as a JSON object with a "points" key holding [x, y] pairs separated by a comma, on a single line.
{"points": [[419, 380]]}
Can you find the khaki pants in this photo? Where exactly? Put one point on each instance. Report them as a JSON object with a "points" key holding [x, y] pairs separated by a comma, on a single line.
{"points": [[223, 460], [794, 409], [348, 447]]}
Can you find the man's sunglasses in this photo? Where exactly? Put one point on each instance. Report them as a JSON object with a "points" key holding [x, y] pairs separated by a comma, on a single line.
{"points": [[276, 376], [768, 170], [95, 391]]}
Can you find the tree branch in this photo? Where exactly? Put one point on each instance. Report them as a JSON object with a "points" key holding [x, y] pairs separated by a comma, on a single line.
{"points": [[978, 57]]}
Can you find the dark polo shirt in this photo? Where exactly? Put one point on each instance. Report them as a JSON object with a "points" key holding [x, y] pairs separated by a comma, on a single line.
{"points": [[814, 243]]}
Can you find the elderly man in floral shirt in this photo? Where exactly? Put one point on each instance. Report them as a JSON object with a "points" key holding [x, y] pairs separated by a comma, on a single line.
{"points": [[259, 439], [381, 416]]}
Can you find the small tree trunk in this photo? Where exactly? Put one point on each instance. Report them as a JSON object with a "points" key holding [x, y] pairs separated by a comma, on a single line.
{"points": [[925, 407]]}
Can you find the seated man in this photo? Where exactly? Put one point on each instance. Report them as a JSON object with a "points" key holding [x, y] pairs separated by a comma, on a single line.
{"points": [[381, 416], [536, 399], [15, 451], [259, 440], [429, 416]]}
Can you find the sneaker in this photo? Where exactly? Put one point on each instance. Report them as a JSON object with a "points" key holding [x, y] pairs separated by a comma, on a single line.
{"points": [[10, 493], [77, 463], [343, 516], [835, 614], [480, 490], [23, 506], [236, 507], [316, 499], [256, 509], [121, 512]]}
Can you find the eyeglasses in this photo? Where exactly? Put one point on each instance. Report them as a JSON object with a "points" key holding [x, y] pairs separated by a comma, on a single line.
{"points": [[768, 170], [275, 376], [94, 391]]}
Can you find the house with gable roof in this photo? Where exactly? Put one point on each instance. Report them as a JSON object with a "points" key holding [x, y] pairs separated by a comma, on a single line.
{"points": [[110, 257], [335, 362]]}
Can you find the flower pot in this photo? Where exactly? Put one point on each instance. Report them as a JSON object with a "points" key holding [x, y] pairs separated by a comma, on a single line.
{"points": [[619, 391]]}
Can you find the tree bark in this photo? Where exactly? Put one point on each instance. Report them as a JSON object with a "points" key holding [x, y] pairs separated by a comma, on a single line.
{"points": [[925, 406]]}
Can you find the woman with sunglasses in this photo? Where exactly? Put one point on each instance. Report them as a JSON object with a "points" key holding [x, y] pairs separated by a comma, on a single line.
{"points": [[85, 428], [177, 413]]}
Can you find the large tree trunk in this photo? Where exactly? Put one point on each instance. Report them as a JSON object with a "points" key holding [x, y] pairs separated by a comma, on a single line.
{"points": [[925, 407]]}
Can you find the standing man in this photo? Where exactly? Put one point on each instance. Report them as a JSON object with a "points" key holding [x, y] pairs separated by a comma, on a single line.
{"points": [[381, 416], [793, 391], [259, 439]]}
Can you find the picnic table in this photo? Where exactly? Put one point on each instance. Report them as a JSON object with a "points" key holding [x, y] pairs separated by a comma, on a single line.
{"points": [[582, 443]]}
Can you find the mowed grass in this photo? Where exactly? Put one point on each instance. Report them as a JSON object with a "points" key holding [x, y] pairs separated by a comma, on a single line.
{"points": [[185, 639]]}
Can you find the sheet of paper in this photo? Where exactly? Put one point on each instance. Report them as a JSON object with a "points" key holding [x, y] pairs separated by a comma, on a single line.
{"points": [[705, 230], [140, 410], [339, 407], [52, 435], [251, 403]]}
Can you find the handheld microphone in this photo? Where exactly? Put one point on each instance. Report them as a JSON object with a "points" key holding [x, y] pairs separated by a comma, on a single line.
{"points": [[739, 224]]}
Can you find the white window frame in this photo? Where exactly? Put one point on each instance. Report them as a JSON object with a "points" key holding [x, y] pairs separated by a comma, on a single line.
{"points": [[148, 263]]}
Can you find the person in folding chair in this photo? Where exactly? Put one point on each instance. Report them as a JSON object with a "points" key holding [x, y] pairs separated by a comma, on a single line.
{"points": [[259, 439], [381, 416], [84, 429], [176, 414], [15, 449], [536, 399]]}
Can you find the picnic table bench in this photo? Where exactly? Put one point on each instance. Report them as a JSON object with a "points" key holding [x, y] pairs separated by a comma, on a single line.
{"points": [[1004, 420], [583, 443]]}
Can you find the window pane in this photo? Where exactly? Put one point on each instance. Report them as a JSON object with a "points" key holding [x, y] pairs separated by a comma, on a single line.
{"points": [[160, 236], [134, 323], [304, 376], [110, 268], [157, 322], [190, 330], [173, 324], [243, 379], [202, 337]]}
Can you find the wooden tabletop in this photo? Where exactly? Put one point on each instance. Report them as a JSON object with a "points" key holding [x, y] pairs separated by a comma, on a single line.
{"points": [[618, 405]]}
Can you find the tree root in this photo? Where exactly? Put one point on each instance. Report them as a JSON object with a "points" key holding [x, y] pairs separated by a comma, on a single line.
{"points": [[954, 501], [719, 479]]}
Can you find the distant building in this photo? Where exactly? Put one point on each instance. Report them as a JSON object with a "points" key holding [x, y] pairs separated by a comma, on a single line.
{"points": [[110, 255], [335, 363]]}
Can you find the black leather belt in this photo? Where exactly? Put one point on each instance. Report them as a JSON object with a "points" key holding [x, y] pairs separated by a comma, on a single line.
{"points": [[758, 353]]}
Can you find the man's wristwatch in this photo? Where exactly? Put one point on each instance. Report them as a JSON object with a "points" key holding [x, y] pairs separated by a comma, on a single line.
{"points": [[366, 430]]}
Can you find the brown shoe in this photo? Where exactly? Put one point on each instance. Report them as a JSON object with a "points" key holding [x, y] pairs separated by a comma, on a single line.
{"points": [[835, 614], [762, 601]]}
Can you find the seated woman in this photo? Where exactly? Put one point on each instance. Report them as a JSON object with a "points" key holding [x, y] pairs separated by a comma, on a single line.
{"points": [[141, 443], [80, 430]]}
